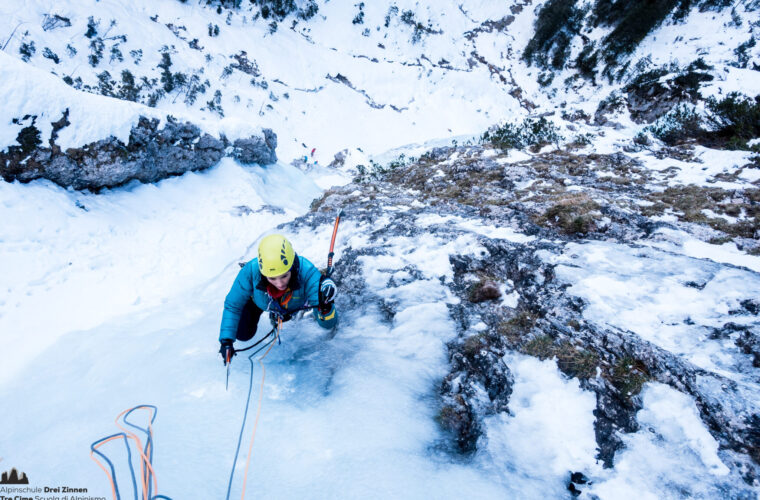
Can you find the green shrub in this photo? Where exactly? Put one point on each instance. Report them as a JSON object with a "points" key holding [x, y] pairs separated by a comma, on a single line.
{"points": [[730, 122], [742, 56], [688, 82], [651, 84], [587, 60], [129, 90], [646, 80], [559, 23], [27, 50], [377, 171], [531, 132], [736, 118], [167, 78], [628, 376], [642, 139], [49, 54], [583, 139], [215, 104], [92, 27], [359, 18], [638, 20], [680, 124]]}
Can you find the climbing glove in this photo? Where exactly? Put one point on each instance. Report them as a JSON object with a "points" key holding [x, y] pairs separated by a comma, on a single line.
{"points": [[327, 292], [226, 350]]}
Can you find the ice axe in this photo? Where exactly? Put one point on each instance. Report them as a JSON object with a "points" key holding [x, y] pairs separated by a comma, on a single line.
{"points": [[330, 255], [227, 383]]}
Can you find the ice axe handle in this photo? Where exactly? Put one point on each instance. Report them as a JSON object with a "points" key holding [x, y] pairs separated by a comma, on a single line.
{"points": [[330, 267], [330, 255]]}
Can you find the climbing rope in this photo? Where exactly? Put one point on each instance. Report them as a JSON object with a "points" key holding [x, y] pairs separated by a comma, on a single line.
{"points": [[147, 472], [112, 475], [268, 346]]}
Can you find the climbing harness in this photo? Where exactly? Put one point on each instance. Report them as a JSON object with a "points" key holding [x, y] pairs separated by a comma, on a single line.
{"points": [[148, 480]]}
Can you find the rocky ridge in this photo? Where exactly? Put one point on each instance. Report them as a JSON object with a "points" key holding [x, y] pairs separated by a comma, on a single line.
{"points": [[151, 154], [552, 200]]}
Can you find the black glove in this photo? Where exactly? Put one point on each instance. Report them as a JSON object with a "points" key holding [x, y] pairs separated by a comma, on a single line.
{"points": [[226, 350], [327, 293]]}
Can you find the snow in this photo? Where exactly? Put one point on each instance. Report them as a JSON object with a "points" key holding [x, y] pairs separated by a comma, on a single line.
{"points": [[743, 81], [510, 296], [475, 226], [114, 299], [677, 448], [442, 104], [29, 91], [514, 157], [322, 433], [543, 403], [683, 243], [85, 258], [665, 298]]}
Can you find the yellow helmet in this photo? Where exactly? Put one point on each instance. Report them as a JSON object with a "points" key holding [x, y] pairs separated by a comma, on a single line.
{"points": [[276, 256]]}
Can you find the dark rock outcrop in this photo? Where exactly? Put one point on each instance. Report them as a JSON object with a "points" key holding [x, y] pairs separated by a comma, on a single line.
{"points": [[653, 94], [749, 342], [256, 149], [151, 154]]}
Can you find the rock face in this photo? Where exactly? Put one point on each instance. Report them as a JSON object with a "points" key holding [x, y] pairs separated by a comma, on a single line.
{"points": [[256, 149], [151, 154], [546, 321]]}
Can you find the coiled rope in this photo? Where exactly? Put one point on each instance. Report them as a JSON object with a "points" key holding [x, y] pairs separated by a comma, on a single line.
{"points": [[147, 472]]}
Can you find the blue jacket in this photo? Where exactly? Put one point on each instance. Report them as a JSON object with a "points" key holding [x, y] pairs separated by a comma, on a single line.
{"points": [[249, 284]]}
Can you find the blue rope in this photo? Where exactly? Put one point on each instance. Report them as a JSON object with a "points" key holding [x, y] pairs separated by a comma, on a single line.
{"points": [[148, 444], [113, 470], [245, 413]]}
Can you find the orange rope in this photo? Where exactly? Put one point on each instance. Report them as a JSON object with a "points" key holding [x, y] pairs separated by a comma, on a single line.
{"points": [[110, 478], [145, 466], [258, 410]]}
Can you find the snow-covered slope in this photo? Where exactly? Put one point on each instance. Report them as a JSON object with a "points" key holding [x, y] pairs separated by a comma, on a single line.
{"points": [[318, 84], [114, 299], [74, 260]]}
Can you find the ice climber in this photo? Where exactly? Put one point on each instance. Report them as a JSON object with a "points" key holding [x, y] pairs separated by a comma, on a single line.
{"points": [[280, 282]]}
